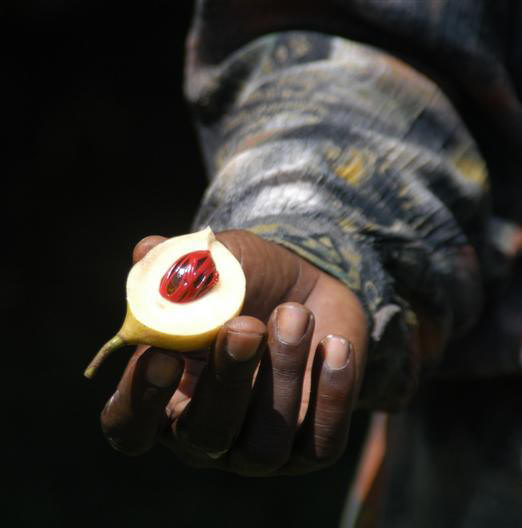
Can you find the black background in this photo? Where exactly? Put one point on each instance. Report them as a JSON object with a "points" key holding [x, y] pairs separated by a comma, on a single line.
{"points": [[100, 152]]}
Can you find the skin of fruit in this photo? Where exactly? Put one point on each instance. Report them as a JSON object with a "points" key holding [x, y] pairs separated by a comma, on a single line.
{"points": [[134, 332]]}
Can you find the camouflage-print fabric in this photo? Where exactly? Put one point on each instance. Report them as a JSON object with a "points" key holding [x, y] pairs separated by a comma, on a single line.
{"points": [[359, 164]]}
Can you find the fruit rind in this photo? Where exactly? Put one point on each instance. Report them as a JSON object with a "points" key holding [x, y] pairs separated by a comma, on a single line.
{"points": [[191, 334], [133, 333]]}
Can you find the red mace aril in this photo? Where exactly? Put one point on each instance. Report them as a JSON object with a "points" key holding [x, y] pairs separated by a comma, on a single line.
{"points": [[190, 277]]}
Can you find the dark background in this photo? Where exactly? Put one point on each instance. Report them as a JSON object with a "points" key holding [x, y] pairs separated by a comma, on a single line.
{"points": [[100, 152]]}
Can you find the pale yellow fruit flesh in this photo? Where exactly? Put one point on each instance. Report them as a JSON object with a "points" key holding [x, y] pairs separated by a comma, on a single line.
{"points": [[153, 320]]}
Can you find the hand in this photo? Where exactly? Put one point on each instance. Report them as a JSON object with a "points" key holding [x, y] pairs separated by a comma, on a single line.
{"points": [[275, 394]]}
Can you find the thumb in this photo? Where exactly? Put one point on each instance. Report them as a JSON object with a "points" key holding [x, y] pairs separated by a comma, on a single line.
{"points": [[273, 273]]}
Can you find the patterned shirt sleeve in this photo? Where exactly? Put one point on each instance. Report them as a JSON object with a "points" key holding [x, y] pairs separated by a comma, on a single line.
{"points": [[359, 164]]}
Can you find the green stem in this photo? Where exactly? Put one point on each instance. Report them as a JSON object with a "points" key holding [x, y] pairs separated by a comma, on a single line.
{"points": [[105, 350]]}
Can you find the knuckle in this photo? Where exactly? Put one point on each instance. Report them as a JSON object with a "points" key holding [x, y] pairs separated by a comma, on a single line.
{"points": [[328, 449], [118, 444], [259, 460], [294, 304], [288, 375], [120, 435], [235, 384], [107, 420], [205, 449], [288, 362], [194, 456], [330, 459], [243, 465], [321, 459]]}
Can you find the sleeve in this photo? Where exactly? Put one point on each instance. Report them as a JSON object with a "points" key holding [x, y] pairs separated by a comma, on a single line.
{"points": [[359, 164]]}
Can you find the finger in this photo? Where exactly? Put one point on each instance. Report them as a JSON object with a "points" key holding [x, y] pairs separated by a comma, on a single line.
{"points": [[134, 415], [344, 317], [213, 418], [267, 437], [145, 245], [323, 436]]}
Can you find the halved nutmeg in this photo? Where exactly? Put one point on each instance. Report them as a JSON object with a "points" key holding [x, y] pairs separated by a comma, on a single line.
{"points": [[179, 295]]}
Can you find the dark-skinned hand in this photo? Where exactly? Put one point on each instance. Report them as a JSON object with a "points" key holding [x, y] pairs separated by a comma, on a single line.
{"points": [[276, 392]]}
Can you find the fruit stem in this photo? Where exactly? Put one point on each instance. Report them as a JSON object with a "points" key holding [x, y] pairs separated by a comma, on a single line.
{"points": [[105, 350]]}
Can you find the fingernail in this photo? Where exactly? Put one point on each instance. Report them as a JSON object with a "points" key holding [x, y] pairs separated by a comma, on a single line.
{"points": [[338, 351], [242, 346], [291, 323], [162, 370]]}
